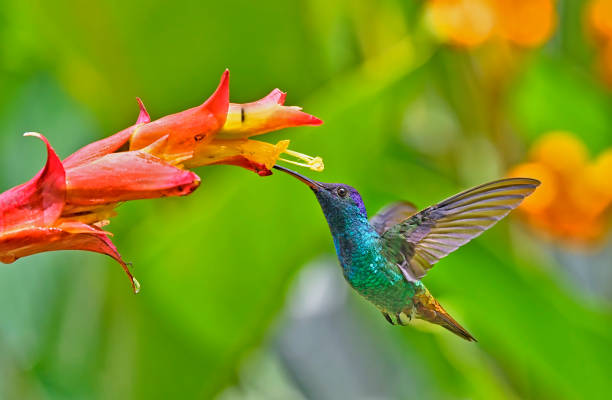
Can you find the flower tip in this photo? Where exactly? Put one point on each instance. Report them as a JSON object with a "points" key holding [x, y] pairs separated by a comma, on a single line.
{"points": [[303, 119], [218, 102], [264, 172], [224, 82], [195, 184], [135, 285], [44, 139], [35, 134], [191, 182], [314, 121], [143, 116], [276, 96]]}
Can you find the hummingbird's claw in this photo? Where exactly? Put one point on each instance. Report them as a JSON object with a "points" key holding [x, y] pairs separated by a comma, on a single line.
{"points": [[388, 318]]}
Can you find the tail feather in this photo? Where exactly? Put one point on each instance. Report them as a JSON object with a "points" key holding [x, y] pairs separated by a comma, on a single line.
{"points": [[428, 308]]}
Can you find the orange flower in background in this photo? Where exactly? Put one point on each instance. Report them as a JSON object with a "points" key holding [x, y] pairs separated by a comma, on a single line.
{"points": [[575, 197], [599, 19], [470, 23], [68, 202], [599, 24], [526, 23], [462, 22]]}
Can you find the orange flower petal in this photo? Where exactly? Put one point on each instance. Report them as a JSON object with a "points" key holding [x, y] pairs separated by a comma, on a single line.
{"points": [[561, 151], [264, 115], [461, 22], [525, 22], [599, 18], [188, 128], [547, 192], [602, 172]]}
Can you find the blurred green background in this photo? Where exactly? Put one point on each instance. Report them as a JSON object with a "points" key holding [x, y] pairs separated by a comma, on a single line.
{"points": [[242, 297]]}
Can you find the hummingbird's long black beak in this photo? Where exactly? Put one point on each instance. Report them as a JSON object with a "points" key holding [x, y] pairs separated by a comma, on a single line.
{"points": [[314, 185]]}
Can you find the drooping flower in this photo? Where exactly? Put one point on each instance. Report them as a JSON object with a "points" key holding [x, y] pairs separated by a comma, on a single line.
{"points": [[575, 198], [51, 212]]}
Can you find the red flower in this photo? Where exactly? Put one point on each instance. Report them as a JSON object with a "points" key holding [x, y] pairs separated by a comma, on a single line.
{"points": [[67, 203], [64, 209], [218, 132]]}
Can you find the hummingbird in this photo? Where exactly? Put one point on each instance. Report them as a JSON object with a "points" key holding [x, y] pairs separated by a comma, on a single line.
{"points": [[385, 258]]}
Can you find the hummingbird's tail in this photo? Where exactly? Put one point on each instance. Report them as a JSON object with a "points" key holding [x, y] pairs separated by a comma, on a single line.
{"points": [[427, 307]]}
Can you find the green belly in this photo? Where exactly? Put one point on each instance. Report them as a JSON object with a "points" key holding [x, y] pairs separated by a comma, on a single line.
{"points": [[381, 284]]}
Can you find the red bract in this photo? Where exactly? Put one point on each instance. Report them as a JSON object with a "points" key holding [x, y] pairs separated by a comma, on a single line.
{"points": [[129, 175], [64, 209], [218, 132], [187, 128], [37, 202], [31, 220], [96, 175]]}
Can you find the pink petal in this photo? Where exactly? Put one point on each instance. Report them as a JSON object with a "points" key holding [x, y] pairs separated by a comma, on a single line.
{"points": [[143, 116]]}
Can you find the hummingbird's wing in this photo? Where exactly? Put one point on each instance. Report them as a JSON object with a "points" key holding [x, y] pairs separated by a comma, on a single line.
{"points": [[391, 215], [418, 242]]}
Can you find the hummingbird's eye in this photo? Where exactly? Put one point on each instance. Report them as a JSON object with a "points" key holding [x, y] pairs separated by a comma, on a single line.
{"points": [[341, 192]]}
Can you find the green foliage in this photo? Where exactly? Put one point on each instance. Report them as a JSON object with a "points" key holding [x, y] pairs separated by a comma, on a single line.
{"points": [[216, 267]]}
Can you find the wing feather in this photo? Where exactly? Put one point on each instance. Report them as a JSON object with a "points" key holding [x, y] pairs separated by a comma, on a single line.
{"points": [[418, 242], [391, 215]]}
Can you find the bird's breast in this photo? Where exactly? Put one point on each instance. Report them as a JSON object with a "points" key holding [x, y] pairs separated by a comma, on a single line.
{"points": [[376, 279], [367, 270]]}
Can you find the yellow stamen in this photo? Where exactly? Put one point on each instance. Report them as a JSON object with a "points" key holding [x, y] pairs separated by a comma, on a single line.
{"points": [[314, 163]]}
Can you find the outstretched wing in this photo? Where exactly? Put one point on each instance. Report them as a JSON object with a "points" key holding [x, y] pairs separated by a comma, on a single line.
{"points": [[391, 215], [418, 242]]}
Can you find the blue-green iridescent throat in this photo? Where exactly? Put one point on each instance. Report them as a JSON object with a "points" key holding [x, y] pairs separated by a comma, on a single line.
{"points": [[359, 250], [359, 246]]}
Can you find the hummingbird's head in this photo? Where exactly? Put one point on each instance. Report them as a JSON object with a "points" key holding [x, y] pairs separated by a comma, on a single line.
{"points": [[336, 199]]}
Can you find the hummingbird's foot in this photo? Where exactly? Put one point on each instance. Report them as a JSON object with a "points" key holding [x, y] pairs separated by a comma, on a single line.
{"points": [[403, 318], [314, 163], [388, 318]]}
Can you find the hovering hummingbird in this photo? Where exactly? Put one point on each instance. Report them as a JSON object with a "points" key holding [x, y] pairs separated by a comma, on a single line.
{"points": [[384, 258]]}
